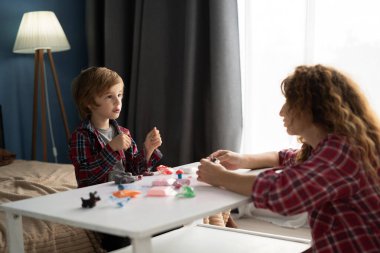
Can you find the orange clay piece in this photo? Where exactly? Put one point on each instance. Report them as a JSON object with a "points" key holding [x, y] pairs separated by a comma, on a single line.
{"points": [[126, 193]]}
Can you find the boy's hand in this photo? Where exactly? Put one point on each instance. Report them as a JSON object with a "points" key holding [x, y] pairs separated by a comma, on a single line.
{"points": [[152, 140], [120, 142]]}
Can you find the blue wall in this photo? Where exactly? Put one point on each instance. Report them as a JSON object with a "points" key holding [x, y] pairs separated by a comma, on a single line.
{"points": [[17, 75]]}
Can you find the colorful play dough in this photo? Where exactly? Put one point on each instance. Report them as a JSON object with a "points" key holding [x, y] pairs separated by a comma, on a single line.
{"points": [[163, 182], [161, 191]]}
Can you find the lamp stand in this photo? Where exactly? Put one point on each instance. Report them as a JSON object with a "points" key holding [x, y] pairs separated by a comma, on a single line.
{"points": [[39, 75]]}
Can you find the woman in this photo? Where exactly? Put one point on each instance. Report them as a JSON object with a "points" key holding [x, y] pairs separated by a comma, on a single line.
{"points": [[334, 177]]}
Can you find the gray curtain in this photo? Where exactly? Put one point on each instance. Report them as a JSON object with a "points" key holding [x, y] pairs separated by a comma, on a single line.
{"points": [[182, 74]]}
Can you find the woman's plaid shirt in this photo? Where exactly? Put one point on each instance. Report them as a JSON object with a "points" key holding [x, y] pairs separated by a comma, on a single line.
{"points": [[332, 186]]}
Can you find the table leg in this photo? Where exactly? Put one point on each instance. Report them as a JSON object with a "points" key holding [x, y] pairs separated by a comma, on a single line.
{"points": [[142, 245], [14, 233]]}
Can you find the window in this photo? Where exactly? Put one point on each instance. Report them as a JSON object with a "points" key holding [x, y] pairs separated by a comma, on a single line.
{"points": [[278, 35]]}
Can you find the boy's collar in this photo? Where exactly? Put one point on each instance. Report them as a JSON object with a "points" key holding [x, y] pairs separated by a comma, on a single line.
{"points": [[88, 125]]}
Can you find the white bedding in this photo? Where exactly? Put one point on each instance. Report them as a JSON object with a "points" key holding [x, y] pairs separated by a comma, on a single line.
{"points": [[293, 221]]}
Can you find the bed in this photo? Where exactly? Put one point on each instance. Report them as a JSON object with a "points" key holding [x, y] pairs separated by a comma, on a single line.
{"points": [[23, 179]]}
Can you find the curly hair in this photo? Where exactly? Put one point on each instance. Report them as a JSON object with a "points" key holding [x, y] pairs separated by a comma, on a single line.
{"points": [[336, 104], [92, 82]]}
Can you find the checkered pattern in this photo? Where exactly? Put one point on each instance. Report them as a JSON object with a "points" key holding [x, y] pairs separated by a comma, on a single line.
{"points": [[93, 159], [332, 186]]}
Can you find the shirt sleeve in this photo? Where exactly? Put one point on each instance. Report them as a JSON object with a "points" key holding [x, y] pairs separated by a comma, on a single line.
{"points": [[287, 157], [326, 176], [155, 158], [91, 165]]}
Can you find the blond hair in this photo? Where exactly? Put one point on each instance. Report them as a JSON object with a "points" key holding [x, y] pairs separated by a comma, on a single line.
{"points": [[90, 83]]}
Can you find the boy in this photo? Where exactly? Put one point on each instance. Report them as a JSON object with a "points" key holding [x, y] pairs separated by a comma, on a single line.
{"points": [[99, 147]]}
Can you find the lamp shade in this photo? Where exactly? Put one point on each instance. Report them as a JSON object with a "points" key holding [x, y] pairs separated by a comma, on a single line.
{"points": [[40, 30]]}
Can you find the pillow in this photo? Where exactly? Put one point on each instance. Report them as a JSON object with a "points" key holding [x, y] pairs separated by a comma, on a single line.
{"points": [[6, 157]]}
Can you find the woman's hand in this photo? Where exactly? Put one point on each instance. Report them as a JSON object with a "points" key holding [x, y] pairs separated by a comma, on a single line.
{"points": [[215, 174], [211, 173], [230, 160]]}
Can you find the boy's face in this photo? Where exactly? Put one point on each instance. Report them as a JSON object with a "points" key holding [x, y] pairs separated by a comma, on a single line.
{"points": [[109, 103]]}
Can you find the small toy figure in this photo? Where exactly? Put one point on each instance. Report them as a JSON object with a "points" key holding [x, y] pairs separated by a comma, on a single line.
{"points": [[179, 173], [186, 192], [91, 202]]}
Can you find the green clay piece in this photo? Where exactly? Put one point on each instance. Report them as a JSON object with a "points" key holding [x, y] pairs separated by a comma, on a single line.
{"points": [[186, 192]]}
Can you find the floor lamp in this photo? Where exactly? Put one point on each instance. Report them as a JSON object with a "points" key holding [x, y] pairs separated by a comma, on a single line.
{"points": [[40, 32]]}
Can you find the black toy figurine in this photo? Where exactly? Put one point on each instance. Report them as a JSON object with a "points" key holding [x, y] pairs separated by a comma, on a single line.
{"points": [[91, 202]]}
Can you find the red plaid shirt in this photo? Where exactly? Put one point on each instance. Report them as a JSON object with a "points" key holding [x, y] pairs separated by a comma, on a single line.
{"points": [[93, 159], [342, 203]]}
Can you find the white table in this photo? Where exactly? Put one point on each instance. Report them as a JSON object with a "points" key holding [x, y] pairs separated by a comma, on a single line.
{"points": [[139, 219], [208, 238]]}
